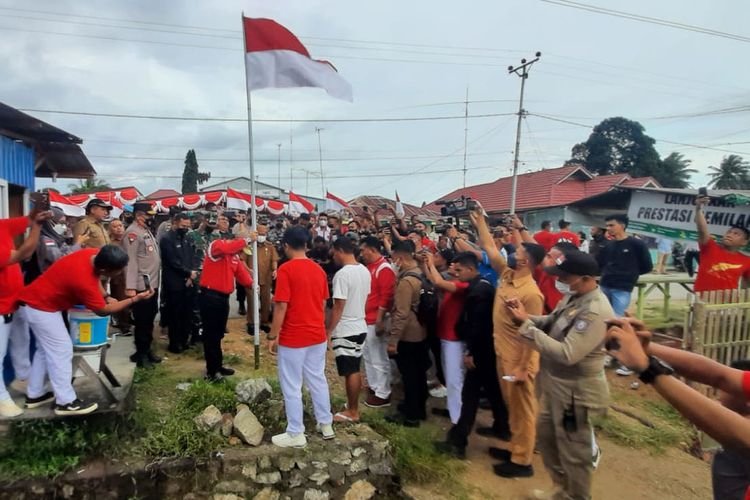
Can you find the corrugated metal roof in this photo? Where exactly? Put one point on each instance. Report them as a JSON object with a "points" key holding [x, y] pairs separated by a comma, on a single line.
{"points": [[16, 163], [376, 202]]}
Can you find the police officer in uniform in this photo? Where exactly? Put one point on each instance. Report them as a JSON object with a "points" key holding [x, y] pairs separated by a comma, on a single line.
{"points": [[91, 229], [144, 260], [268, 264], [571, 377]]}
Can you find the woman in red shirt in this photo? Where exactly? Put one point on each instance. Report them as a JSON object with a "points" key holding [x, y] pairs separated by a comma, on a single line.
{"points": [[74, 279]]}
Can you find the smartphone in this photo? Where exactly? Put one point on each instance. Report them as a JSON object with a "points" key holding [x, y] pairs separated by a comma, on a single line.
{"points": [[147, 281], [230, 214], [41, 201], [702, 192], [509, 378]]}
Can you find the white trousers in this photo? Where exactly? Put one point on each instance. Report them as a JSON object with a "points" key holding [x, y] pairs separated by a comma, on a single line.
{"points": [[4, 334], [306, 364], [452, 353], [53, 356], [19, 345], [377, 363]]}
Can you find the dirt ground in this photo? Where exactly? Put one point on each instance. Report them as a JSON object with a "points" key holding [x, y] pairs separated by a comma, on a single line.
{"points": [[624, 473]]}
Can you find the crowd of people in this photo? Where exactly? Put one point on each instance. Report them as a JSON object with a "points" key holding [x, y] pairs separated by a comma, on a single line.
{"points": [[478, 313]]}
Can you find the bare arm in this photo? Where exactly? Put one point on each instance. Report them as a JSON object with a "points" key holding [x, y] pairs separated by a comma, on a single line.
{"points": [[486, 242], [434, 275], [119, 305], [464, 246], [336, 312], [700, 221]]}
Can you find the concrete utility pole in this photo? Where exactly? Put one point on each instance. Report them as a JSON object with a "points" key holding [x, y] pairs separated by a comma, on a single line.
{"points": [[466, 131], [523, 72], [278, 168], [291, 151], [320, 157]]}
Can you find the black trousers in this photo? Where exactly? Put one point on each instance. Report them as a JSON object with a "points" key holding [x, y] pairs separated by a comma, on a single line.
{"points": [[434, 343], [413, 361], [483, 377], [144, 313], [214, 313], [241, 295], [691, 258], [179, 304]]}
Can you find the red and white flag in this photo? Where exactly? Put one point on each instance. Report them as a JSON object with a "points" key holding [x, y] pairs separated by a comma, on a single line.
{"points": [[299, 205], [68, 207], [335, 203], [275, 58], [399, 207], [237, 200]]}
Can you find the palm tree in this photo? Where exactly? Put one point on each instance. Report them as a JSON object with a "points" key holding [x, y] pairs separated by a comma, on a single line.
{"points": [[732, 173], [674, 171], [89, 185]]}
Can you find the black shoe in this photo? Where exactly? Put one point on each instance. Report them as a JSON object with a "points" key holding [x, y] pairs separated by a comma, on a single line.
{"points": [[493, 433], [153, 358], [451, 449], [226, 371], [401, 420], [441, 412], [40, 401], [500, 454], [175, 350], [265, 328], [77, 407], [216, 378], [401, 408], [125, 332], [509, 469], [143, 362], [250, 329], [242, 311], [134, 357]]}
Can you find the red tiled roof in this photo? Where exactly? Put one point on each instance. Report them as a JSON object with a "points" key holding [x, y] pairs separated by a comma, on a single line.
{"points": [[375, 202], [546, 188], [163, 193]]}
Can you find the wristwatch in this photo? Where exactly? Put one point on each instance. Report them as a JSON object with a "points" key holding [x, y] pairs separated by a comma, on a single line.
{"points": [[655, 368]]}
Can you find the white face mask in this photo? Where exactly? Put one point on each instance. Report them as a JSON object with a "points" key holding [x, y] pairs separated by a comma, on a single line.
{"points": [[563, 288], [322, 223], [60, 229], [261, 238]]}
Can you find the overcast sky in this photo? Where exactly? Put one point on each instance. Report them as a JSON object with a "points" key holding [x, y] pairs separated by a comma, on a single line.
{"points": [[402, 61]]}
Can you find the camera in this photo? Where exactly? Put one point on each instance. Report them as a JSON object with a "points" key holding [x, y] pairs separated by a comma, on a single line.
{"points": [[457, 207], [444, 226], [505, 220]]}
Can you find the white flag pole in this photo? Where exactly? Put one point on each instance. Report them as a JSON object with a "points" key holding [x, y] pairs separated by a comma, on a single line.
{"points": [[253, 211]]}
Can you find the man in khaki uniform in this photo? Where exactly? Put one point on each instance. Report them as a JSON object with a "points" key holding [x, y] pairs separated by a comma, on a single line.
{"points": [[144, 259], [572, 381], [268, 263], [91, 225]]}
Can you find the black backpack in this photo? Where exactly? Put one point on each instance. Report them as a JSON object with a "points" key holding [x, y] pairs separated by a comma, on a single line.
{"points": [[427, 307]]}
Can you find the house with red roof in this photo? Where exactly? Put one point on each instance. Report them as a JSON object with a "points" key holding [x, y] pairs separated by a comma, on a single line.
{"points": [[547, 194]]}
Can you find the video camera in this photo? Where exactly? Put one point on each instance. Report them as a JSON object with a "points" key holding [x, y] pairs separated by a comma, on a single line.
{"points": [[459, 207], [444, 226]]}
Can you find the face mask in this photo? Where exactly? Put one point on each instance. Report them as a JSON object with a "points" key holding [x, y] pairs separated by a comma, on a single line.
{"points": [[563, 288], [209, 229], [129, 220], [512, 263], [322, 223], [261, 238], [182, 231], [60, 229]]}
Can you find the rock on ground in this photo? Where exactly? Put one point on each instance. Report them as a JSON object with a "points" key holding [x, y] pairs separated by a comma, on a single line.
{"points": [[267, 494], [253, 391], [313, 494], [209, 419], [227, 424], [247, 427], [360, 490]]}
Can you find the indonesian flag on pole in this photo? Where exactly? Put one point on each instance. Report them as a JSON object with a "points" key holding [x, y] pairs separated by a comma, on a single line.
{"points": [[237, 200], [275, 58], [68, 207], [335, 203], [399, 207], [299, 205]]}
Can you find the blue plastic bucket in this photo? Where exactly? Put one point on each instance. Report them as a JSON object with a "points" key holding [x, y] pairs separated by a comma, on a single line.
{"points": [[86, 328]]}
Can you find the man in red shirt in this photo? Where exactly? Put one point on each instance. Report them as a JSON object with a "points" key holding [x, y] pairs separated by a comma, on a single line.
{"points": [[379, 301], [300, 332], [546, 237], [221, 266], [566, 235], [11, 281], [74, 279], [722, 265]]}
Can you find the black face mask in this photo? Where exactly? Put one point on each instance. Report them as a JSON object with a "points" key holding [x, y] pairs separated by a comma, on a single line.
{"points": [[182, 231], [128, 220], [209, 229]]}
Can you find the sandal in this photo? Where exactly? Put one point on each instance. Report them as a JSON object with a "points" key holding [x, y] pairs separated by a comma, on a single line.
{"points": [[343, 417]]}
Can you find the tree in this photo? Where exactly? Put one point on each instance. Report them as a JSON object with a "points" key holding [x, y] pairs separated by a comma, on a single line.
{"points": [[89, 185], [732, 173], [675, 171], [618, 145], [191, 177]]}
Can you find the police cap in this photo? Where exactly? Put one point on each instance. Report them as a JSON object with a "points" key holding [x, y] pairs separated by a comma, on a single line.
{"points": [[575, 263]]}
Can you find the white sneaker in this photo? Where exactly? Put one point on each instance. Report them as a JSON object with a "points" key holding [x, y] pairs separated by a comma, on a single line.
{"points": [[286, 440], [624, 371], [596, 458], [439, 391], [19, 385], [326, 430], [9, 409], [608, 360]]}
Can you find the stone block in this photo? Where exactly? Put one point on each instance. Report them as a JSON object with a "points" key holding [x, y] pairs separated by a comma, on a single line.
{"points": [[227, 424], [250, 471], [360, 490], [253, 391], [209, 419], [342, 457], [319, 477], [296, 479], [273, 477], [231, 487], [284, 463], [338, 474], [264, 462], [313, 494], [358, 465], [267, 494], [381, 468], [247, 427]]}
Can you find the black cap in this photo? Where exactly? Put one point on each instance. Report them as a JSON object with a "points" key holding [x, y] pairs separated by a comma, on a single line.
{"points": [[535, 251], [143, 206], [576, 263], [96, 202]]}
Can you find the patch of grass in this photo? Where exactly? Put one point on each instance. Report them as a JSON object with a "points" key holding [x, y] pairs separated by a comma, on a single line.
{"points": [[232, 359], [414, 453]]}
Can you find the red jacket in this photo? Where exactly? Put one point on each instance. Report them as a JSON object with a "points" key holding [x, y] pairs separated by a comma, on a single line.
{"points": [[222, 266], [382, 288]]}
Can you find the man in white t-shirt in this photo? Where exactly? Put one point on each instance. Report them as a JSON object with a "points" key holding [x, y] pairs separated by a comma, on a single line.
{"points": [[347, 330]]}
